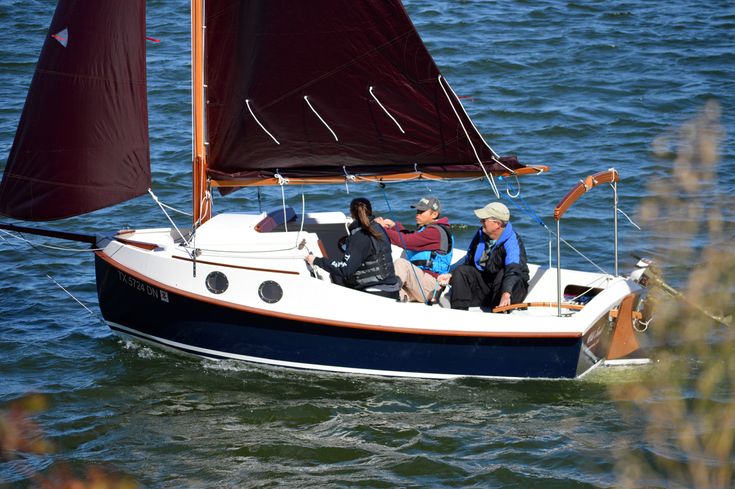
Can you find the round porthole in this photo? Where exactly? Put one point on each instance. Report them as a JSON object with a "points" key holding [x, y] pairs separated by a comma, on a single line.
{"points": [[270, 292], [216, 282]]}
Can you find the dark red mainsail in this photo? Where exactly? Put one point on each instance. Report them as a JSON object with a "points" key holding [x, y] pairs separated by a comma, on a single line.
{"points": [[82, 140], [310, 87]]}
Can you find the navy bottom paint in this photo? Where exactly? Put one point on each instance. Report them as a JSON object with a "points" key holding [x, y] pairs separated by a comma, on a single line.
{"points": [[149, 310]]}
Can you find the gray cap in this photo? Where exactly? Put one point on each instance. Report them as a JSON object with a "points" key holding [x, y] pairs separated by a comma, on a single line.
{"points": [[426, 203], [494, 210]]}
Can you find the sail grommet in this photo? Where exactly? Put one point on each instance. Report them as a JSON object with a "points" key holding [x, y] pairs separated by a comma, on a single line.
{"points": [[270, 292], [216, 282]]}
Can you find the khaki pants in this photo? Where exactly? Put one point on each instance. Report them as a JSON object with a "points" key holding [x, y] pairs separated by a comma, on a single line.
{"points": [[412, 288]]}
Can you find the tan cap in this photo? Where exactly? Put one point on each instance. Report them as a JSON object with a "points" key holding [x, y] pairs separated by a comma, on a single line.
{"points": [[494, 210]]}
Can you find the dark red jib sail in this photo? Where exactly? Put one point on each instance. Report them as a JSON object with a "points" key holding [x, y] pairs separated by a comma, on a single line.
{"points": [[310, 87], [82, 140]]}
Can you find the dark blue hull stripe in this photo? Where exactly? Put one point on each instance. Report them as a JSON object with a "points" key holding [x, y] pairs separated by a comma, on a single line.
{"points": [[205, 329]]}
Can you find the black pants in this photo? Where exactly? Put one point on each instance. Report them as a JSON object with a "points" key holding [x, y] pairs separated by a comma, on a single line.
{"points": [[473, 288]]}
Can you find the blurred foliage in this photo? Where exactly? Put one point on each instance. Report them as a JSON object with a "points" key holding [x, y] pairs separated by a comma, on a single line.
{"points": [[686, 401], [21, 437]]}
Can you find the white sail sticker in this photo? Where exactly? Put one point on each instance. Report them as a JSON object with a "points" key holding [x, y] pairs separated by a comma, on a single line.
{"points": [[62, 36]]}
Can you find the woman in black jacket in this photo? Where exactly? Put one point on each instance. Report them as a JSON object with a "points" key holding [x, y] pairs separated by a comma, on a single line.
{"points": [[367, 264]]}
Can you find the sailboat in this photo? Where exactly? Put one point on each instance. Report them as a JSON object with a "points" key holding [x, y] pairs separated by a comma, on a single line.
{"points": [[284, 93]]}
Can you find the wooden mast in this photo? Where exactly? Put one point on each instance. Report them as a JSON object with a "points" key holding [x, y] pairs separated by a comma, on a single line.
{"points": [[201, 210]]}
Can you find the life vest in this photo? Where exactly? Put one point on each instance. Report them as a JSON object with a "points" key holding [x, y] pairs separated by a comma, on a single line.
{"points": [[376, 268], [437, 261], [482, 248]]}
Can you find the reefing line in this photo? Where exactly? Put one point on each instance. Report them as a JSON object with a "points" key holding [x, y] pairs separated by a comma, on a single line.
{"points": [[386, 110], [306, 97], [247, 102]]}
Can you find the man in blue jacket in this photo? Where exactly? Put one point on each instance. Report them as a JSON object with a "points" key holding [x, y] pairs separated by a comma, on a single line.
{"points": [[495, 272]]}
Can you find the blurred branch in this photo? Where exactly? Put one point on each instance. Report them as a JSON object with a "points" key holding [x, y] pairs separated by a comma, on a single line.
{"points": [[687, 400]]}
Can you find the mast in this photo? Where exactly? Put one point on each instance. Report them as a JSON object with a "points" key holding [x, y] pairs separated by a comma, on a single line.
{"points": [[201, 210]]}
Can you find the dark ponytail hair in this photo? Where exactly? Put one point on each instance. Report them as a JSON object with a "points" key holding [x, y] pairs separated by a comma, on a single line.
{"points": [[361, 210]]}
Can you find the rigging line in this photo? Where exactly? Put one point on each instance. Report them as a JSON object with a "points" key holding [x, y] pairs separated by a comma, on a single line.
{"points": [[348, 177], [629, 219], [527, 208], [386, 110], [247, 102], [507, 187], [176, 210], [405, 248], [306, 97], [472, 122], [540, 221], [496, 158], [303, 214], [155, 198], [472, 145], [583, 256], [42, 245], [72, 296], [282, 182]]}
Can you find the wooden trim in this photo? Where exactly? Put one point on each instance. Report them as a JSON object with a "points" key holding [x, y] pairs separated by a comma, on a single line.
{"points": [[614, 313], [287, 272], [200, 212], [326, 322], [137, 244], [388, 177], [526, 305], [624, 341], [582, 188]]}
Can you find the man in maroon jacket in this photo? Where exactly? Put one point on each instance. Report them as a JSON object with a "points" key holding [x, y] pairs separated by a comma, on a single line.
{"points": [[428, 250]]}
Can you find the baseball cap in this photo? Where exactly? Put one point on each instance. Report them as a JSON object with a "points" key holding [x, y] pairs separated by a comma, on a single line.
{"points": [[426, 203], [494, 210]]}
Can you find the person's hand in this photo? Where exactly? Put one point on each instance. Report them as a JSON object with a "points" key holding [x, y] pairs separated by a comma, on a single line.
{"points": [[309, 259], [386, 223], [444, 279], [504, 299]]}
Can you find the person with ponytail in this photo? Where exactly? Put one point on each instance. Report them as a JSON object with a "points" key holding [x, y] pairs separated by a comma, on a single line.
{"points": [[367, 264]]}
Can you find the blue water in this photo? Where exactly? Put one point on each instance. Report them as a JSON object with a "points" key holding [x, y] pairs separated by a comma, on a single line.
{"points": [[578, 86]]}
